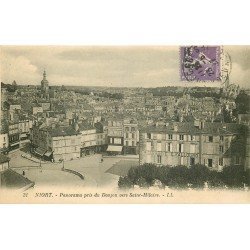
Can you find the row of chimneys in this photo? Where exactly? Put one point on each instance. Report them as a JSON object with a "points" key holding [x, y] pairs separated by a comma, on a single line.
{"points": [[197, 123]]}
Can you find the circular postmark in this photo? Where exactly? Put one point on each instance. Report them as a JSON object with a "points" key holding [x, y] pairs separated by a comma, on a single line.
{"points": [[204, 63]]}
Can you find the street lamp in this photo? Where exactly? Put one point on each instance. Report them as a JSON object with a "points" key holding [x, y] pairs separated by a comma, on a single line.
{"points": [[40, 164], [62, 160]]}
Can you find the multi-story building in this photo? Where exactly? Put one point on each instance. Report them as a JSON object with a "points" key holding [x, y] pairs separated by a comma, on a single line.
{"points": [[55, 142], [14, 135], [187, 143], [131, 136], [88, 138], [4, 137], [115, 134], [93, 138], [24, 129], [122, 135]]}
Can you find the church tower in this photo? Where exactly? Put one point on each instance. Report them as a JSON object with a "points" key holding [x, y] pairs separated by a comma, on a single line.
{"points": [[44, 86]]}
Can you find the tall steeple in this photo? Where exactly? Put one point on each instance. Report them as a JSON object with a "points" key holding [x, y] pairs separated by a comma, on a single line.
{"points": [[44, 75], [44, 85], [44, 82]]}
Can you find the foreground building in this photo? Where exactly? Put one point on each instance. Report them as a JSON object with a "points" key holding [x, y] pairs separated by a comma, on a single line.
{"points": [[123, 136], [187, 143], [93, 138], [55, 142], [11, 179]]}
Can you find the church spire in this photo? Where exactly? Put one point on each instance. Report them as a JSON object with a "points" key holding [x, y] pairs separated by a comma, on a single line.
{"points": [[44, 75]]}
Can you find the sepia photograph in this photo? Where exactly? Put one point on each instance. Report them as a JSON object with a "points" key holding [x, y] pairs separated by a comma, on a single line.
{"points": [[124, 122]]}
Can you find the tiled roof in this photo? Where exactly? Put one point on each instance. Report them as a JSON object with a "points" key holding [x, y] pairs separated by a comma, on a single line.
{"points": [[60, 130], [11, 179], [189, 128], [85, 126], [63, 131]]}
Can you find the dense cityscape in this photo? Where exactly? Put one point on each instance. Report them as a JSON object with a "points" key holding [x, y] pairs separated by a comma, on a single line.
{"points": [[93, 136]]}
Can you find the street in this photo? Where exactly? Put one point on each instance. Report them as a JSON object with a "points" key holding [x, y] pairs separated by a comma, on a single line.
{"points": [[51, 174]]}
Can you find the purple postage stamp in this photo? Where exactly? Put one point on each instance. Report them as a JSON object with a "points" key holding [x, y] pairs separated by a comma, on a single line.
{"points": [[200, 63]]}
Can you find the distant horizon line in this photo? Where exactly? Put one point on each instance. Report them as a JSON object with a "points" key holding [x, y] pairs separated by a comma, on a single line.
{"points": [[126, 87]]}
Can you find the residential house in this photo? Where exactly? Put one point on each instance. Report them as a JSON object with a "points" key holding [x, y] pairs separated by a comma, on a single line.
{"points": [[131, 136]]}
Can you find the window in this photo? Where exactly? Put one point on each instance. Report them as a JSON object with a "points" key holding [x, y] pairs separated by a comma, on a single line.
{"points": [[148, 146], [133, 143], [192, 160], [133, 136], [210, 163], [126, 129], [221, 161], [117, 140], [110, 140], [126, 135], [192, 138], [148, 136], [170, 137], [237, 160], [181, 137], [158, 158], [210, 138], [126, 143], [133, 129], [221, 138], [221, 149], [158, 146], [169, 147], [180, 147]]}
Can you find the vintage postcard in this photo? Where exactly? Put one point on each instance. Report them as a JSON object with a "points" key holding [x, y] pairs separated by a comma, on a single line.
{"points": [[125, 124]]}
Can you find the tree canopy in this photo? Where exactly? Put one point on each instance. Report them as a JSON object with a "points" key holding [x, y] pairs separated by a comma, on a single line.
{"points": [[182, 177]]}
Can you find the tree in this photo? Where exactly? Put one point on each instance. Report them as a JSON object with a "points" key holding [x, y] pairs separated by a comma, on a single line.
{"points": [[215, 180], [197, 175], [242, 102], [178, 177], [141, 182], [146, 171], [234, 176], [124, 182], [226, 115], [162, 174]]}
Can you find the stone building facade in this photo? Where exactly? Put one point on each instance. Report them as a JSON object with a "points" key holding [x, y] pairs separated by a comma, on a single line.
{"points": [[55, 142], [212, 144]]}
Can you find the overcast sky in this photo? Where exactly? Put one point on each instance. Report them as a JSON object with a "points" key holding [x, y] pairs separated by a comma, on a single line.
{"points": [[108, 66]]}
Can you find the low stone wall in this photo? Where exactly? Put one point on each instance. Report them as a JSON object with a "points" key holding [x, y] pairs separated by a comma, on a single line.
{"points": [[73, 172]]}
